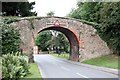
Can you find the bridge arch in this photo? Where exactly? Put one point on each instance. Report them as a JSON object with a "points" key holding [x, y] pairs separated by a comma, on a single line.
{"points": [[72, 38], [77, 33]]}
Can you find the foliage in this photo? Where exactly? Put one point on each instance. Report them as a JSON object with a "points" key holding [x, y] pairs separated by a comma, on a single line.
{"points": [[87, 11], [0, 37], [74, 13], [42, 40], [10, 38], [18, 9], [59, 42], [63, 42], [110, 25], [107, 15], [0, 66], [10, 19], [14, 66], [50, 14], [46, 40]]}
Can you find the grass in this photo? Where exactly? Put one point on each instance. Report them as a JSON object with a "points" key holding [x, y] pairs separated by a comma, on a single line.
{"points": [[65, 56], [109, 61], [34, 72]]}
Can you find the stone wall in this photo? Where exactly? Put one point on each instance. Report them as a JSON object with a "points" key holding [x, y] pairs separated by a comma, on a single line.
{"points": [[93, 45]]}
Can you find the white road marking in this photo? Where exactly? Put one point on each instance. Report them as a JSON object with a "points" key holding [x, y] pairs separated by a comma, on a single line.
{"points": [[65, 68], [81, 75]]}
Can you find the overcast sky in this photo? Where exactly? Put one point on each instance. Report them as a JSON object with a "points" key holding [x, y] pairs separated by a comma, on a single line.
{"points": [[60, 7]]}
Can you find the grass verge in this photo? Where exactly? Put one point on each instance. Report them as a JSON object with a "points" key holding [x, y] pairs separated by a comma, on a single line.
{"points": [[109, 61], [34, 72], [66, 56]]}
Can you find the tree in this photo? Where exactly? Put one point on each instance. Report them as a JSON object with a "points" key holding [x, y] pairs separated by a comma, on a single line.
{"points": [[64, 42], [107, 15], [59, 40], [42, 40], [110, 25], [88, 11], [50, 14], [10, 39], [18, 9], [52, 39]]}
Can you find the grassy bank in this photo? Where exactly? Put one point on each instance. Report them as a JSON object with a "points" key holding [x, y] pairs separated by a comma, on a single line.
{"points": [[109, 61], [66, 56], [34, 72]]}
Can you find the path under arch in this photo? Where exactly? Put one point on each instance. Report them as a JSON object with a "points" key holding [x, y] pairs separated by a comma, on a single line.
{"points": [[72, 38]]}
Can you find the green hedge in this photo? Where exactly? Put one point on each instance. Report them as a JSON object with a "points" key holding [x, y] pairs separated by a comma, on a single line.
{"points": [[14, 66], [10, 38]]}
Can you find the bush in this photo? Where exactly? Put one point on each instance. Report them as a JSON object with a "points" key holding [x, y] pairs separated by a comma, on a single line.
{"points": [[10, 38], [14, 66]]}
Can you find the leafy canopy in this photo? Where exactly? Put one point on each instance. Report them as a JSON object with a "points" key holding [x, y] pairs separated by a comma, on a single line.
{"points": [[18, 9], [107, 15], [46, 40]]}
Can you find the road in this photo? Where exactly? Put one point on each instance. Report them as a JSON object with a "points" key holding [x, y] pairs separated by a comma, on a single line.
{"points": [[52, 67]]}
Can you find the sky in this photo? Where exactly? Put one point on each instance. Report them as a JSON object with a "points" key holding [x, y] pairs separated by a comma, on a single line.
{"points": [[60, 7]]}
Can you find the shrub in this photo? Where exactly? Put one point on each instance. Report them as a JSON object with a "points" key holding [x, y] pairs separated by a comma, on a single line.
{"points": [[10, 38], [14, 66]]}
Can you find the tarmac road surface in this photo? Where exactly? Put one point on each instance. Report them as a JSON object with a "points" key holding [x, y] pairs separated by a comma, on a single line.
{"points": [[52, 67]]}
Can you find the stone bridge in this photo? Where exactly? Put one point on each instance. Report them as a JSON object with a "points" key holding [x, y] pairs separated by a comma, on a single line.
{"points": [[83, 38]]}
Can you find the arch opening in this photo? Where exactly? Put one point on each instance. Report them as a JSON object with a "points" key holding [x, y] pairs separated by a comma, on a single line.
{"points": [[72, 38]]}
